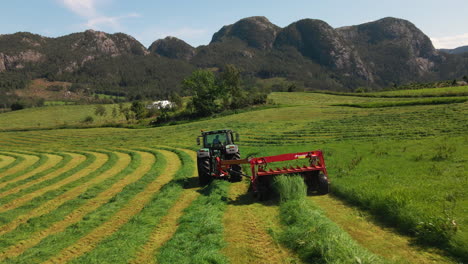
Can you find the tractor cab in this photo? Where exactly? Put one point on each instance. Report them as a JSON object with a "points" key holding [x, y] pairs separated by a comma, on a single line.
{"points": [[217, 138]]}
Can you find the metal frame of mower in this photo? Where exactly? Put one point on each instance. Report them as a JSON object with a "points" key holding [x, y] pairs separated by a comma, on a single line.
{"points": [[314, 173]]}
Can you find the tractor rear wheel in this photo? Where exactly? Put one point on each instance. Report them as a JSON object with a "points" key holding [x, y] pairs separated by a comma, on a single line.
{"points": [[204, 176], [236, 170], [323, 184]]}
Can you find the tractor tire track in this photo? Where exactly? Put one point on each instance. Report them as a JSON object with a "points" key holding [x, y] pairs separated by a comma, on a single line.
{"points": [[51, 162], [49, 206], [29, 161], [246, 224], [169, 223], [76, 160], [79, 213], [133, 207], [98, 162], [382, 241]]}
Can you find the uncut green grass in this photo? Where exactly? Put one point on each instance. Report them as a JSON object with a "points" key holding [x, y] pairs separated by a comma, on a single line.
{"points": [[53, 244], [54, 116], [10, 215], [123, 245], [430, 101], [24, 231], [308, 232], [199, 236]]}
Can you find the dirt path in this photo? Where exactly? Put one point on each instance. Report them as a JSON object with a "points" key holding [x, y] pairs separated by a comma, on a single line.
{"points": [[77, 160], [133, 207], [169, 223], [79, 213], [28, 162], [382, 241], [245, 225], [49, 206]]}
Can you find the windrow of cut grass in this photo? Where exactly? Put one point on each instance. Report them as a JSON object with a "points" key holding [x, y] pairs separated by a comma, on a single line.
{"points": [[430, 101], [16, 160], [53, 199], [138, 239], [31, 162], [307, 230], [50, 162], [37, 184], [73, 229], [426, 92], [36, 229], [199, 237]]}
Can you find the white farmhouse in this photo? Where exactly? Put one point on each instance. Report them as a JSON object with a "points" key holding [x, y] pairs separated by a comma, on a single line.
{"points": [[163, 104]]}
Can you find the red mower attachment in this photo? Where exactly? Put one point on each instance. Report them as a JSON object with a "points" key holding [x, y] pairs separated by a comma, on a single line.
{"points": [[314, 172]]}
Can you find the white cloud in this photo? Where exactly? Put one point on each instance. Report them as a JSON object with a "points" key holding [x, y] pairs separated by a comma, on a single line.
{"points": [[88, 10], [450, 42], [83, 8]]}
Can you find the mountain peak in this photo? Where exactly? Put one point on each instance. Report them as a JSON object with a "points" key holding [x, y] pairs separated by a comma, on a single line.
{"points": [[257, 31], [173, 48]]}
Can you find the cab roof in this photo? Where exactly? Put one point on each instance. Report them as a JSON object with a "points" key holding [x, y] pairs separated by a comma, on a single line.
{"points": [[219, 131]]}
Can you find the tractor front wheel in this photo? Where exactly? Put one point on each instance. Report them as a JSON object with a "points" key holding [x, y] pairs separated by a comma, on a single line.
{"points": [[236, 170], [204, 176]]}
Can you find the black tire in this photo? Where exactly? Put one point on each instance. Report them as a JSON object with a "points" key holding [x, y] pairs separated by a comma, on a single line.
{"points": [[323, 184], [264, 190], [204, 176], [236, 170]]}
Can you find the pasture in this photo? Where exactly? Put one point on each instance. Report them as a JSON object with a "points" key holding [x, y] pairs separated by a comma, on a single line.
{"points": [[114, 195]]}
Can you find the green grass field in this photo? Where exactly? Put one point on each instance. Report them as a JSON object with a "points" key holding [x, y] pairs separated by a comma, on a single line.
{"points": [[404, 165]]}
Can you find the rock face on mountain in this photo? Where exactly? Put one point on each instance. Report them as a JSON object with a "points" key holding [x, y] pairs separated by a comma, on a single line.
{"points": [[309, 52], [392, 45], [173, 48], [258, 32], [320, 42]]}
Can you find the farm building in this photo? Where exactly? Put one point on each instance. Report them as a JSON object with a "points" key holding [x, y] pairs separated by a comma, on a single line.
{"points": [[160, 104]]}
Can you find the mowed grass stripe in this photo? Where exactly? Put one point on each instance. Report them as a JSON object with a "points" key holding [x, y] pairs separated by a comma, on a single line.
{"points": [[95, 176], [50, 241], [167, 225], [30, 162], [40, 180], [246, 225], [12, 185], [86, 202], [74, 173], [14, 160], [199, 236], [5, 161], [132, 208]]}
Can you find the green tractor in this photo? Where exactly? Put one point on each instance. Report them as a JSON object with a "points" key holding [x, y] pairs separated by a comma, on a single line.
{"points": [[218, 145]]}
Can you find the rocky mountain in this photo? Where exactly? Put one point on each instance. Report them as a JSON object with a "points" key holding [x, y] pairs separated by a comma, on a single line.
{"points": [[459, 50], [173, 48], [309, 52]]}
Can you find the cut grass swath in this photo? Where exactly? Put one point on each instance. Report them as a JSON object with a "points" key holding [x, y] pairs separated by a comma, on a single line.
{"points": [[199, 237], [310, 233], [53, 199], [31, 162], [18, 160], [71, 212], [134, 241], [431, 101]]}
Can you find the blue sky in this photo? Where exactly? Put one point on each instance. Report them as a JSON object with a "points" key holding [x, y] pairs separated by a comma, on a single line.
{"points": [[445, 22]]}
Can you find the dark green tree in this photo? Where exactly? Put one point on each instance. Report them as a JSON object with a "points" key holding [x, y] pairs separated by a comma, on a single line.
{"points": [[100, 110], [139, 109], [230, 87], [202, 85]]}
